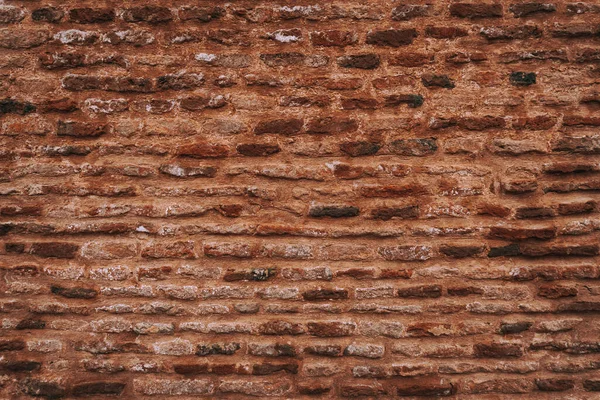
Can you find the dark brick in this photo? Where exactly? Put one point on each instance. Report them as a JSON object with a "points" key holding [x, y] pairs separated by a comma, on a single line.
{"points": [[522, 78], [11, 344], [412, 100], [201, 14], [47, 14], [74, 292], [269, 368], [426, 389], [17, 248], [62, 105], [362, 390], [98, 388], [556, 291], [427, 291], [457, 251], [191, 369], [507, 328], [257, 149], [445, 32], [387, 213], [30, 324], [360, 61], [510, 250], [203, 150], [325, 294], [360, 148], [127, 84], [54, 249], [11, 106], [91, 15], [333, 211], [443, 81], [364, 103], [464, 291], [591, 385], [534, 212], [585, 207], [392, 37], [330, 125], [39, 388], [481, 123], [287, 126], [313, 388], [413, 147], [476, 10], [217, 349], [20, 366], [554, 385], [256, 274], [150, 14], [185, 82], [515, 233], [497, 350]]}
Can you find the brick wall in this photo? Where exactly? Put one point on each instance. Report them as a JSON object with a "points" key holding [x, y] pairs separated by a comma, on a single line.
{"points": [[254, 199]]}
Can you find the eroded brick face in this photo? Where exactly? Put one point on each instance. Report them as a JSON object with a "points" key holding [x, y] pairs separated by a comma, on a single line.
{"points": [[253, 199]]}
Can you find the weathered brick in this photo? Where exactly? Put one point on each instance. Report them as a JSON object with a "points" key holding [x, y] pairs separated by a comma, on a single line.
{"points": [[330, 125], [511, 32], [278, 327], [333, 38], [22, 39], [413, 147], [407, 12], [331, 329]]}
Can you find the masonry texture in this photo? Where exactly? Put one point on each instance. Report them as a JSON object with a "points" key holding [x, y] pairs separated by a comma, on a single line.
{"points": [[257, 199]]}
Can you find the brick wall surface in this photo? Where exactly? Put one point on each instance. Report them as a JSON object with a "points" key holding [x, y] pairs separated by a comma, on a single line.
{"points": [[267, 199]]}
